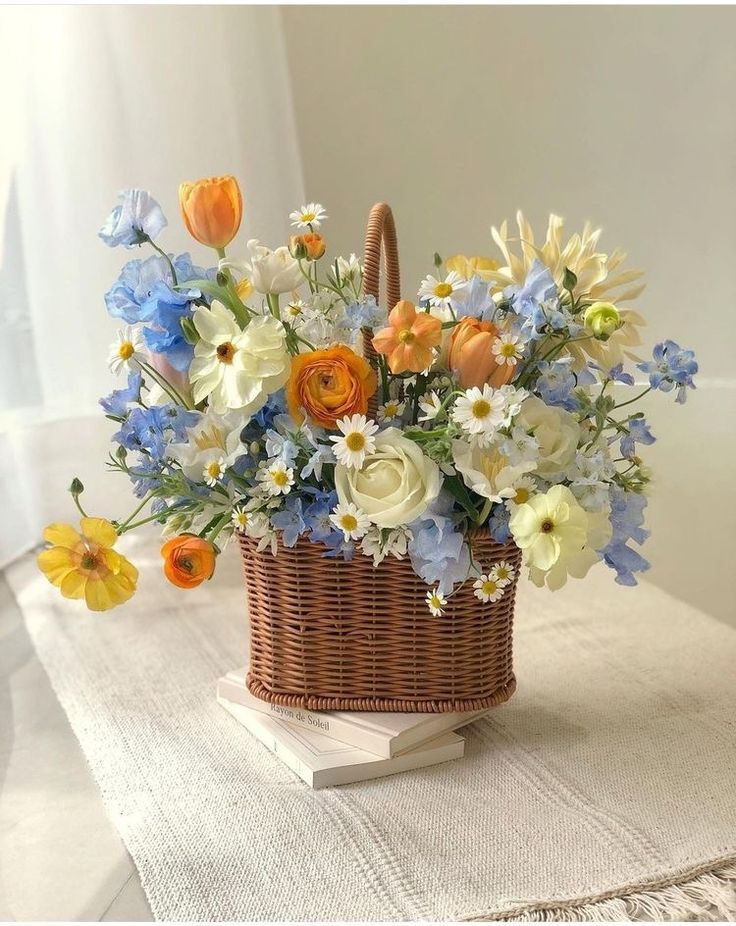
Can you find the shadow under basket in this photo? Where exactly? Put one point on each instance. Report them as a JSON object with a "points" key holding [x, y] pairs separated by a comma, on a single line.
{"points": [[326, 634]]}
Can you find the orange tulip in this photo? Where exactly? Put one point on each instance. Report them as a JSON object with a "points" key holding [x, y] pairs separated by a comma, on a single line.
{"points": [[409, 339], [188, 560], [329, 384], [311, 246], [212, 210], [469, 355]]}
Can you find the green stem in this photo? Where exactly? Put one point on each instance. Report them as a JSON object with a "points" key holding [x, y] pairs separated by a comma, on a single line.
{"points": [[219, 526], [79, 507], [485, 511], [273, 303], [130, 527], [163, 383], [140, 507], [635, 399]]}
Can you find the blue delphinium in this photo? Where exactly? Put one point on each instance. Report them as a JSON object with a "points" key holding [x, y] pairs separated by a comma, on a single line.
{"points": [[475, 300], [337, 545], [178, 419], [627, 518], [615, 374], [535, 299], [146, 474], [138, 278], [144, 430], [281, 447], [317, 516], [365, 314], [438, 551], [639, 433], [556, 384], [117, 402], [672, 367], [290, 520], [498, 524], [136, 219]]}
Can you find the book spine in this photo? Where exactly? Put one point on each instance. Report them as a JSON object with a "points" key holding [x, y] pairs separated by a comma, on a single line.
{"points": [[331, 726]]}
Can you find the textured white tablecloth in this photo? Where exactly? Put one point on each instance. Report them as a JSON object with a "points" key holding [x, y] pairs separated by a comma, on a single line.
{"points": [[608, 779]]}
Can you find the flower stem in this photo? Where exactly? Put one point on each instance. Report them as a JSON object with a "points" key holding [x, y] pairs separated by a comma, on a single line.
{"points": [[130, 527], [140, 507], [635, 399], [163, 383]]}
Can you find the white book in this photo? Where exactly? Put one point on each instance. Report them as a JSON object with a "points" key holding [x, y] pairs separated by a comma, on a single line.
{"points": [[323, 762], [385, 733]]}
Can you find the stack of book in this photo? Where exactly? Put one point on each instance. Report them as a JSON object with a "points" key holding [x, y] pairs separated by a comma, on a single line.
{"points": [[327, 748]]}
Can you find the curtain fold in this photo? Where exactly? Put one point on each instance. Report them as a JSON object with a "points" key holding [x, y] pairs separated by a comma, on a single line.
{"points": [[96, 99]]}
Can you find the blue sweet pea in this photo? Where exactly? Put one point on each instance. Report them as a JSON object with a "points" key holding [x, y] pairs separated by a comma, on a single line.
{"points": [[536, 300], [438, 551], [138, 278], [117, 402], [290, 521], [164, 310], [556, 383], [627, 518], [474, 301], [639, 433], [136, 219], [672, 367]]}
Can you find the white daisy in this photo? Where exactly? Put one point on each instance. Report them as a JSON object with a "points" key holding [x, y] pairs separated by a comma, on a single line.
{"points": [[507, 349], [355, 441], [487, 589], [436, 602], [430, 404], [276, 478], [524, 488], [350, 520], [480, 411], [440, 292], [392, 409], [310, 216], [295, 309], [128, 347], [241, 519], [214, 470], [502, 573]]}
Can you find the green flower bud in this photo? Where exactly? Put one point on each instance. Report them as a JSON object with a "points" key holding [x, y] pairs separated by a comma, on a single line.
{"points": [[602, 319]]}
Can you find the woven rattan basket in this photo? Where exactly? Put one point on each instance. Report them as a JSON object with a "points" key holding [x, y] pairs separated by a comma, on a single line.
{"points": [[327, 634]]}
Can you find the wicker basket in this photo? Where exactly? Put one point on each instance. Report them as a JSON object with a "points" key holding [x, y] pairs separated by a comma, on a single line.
{"points": [[326, 634]]}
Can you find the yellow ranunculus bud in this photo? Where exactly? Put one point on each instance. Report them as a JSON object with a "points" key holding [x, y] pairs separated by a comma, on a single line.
{"points": [[602, 319], [297, 247], [311, 246], [244, 289], [212, 209], [468, 267]]}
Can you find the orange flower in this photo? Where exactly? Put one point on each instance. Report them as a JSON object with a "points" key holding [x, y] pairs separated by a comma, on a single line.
{"points": [[469, 355], [188, 560], [329, 384], [409, 339], [212, 209], [311, 246]]}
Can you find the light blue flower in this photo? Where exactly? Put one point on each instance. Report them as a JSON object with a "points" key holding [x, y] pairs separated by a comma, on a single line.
{"points": [[639, 433], [280, 447], [163, 311], [117, 402], [290, 520], [138, 278], [178, 419], [136, 219], [313, 467], [615, 374], [672, 367], [556, 383], [438, 551], [317, 516], [143, 430], [365, 314], [535, 300], [498, 524], [337, 545], [474, 300], [627, 518]]}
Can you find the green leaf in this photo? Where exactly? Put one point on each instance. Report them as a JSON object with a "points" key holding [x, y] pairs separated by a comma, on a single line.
{"points": [[191, 335], [459, 491]]}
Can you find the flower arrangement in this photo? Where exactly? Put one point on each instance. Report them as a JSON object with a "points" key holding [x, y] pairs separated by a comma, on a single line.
{"points": [[495, 403]]}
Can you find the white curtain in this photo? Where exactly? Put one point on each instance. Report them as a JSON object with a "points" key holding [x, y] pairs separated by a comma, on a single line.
{"points": [[93, 100]]}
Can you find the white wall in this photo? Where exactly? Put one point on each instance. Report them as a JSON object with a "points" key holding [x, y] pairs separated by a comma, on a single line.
{"points": [[457, 116]]}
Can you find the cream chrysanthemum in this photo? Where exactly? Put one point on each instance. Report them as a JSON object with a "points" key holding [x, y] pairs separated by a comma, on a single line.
{"points": [[440, 292], [309, 216], [214, 470], [488, 588], [350, 520], [276, 478], [502, 573], [436, 602], [128, 347], [390, 410], [480, 411], [507, 350], [355, 441]]}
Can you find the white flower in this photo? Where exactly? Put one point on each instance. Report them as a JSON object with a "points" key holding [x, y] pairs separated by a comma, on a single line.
{"points": [[380, 543], [556, 431], [520, 447], [276, 478], [524, 488], [241, 518], [355, 441], [272, 271], [214, 437], [294, 310], [507, 349], [436, 602], [590, 475], [439, 293], [502, 573], [234, 368], [395, 484], [550, 528], [488, 588], [128, 347], [487, 471], [350, 268], [392, 409], [480, 411], [350, 520], [577, 562], [214, 470], [514, 399], [312, 214], [430, 404]]}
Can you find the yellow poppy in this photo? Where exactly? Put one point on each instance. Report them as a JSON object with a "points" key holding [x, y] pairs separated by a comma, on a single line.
{"points": [[84, 565]]}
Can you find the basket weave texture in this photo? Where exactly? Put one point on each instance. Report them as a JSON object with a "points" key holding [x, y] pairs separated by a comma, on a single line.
{"points": [[326, 634]]}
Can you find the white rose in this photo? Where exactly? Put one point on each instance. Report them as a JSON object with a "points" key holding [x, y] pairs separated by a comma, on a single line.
{"points": [[395, 484], [557, 432], [272, 271], [487, 471]]}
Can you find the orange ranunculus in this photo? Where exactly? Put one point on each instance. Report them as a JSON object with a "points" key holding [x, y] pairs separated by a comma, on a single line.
{"points": [[312, 246], [212, 209], [329, 384], [188, 560], [469, 355], [409, 339]]}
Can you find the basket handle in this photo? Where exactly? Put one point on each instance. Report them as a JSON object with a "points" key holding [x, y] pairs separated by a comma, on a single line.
{"points": [[380, 235]]}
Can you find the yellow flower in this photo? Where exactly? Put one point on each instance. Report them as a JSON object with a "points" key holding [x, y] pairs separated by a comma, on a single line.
{"points": [[84, 565], [468, 267], [244, 289], [602, 318]]}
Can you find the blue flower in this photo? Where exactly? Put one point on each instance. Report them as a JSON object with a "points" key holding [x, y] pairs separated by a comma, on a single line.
{"points": [[146, 476], [438, 551], [337, 545], [317, 516], [275, 405], [671, 367], [280, 447], [136, 219], [615, 374], [178, 419], [627, 518], [535, 298], [117, 402], [138, 278], [164, 309], [143, 430], [475, 300], [639, 433], [556, 384], [498, 524], [290, 520], [322, 455], [365, 314]]}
